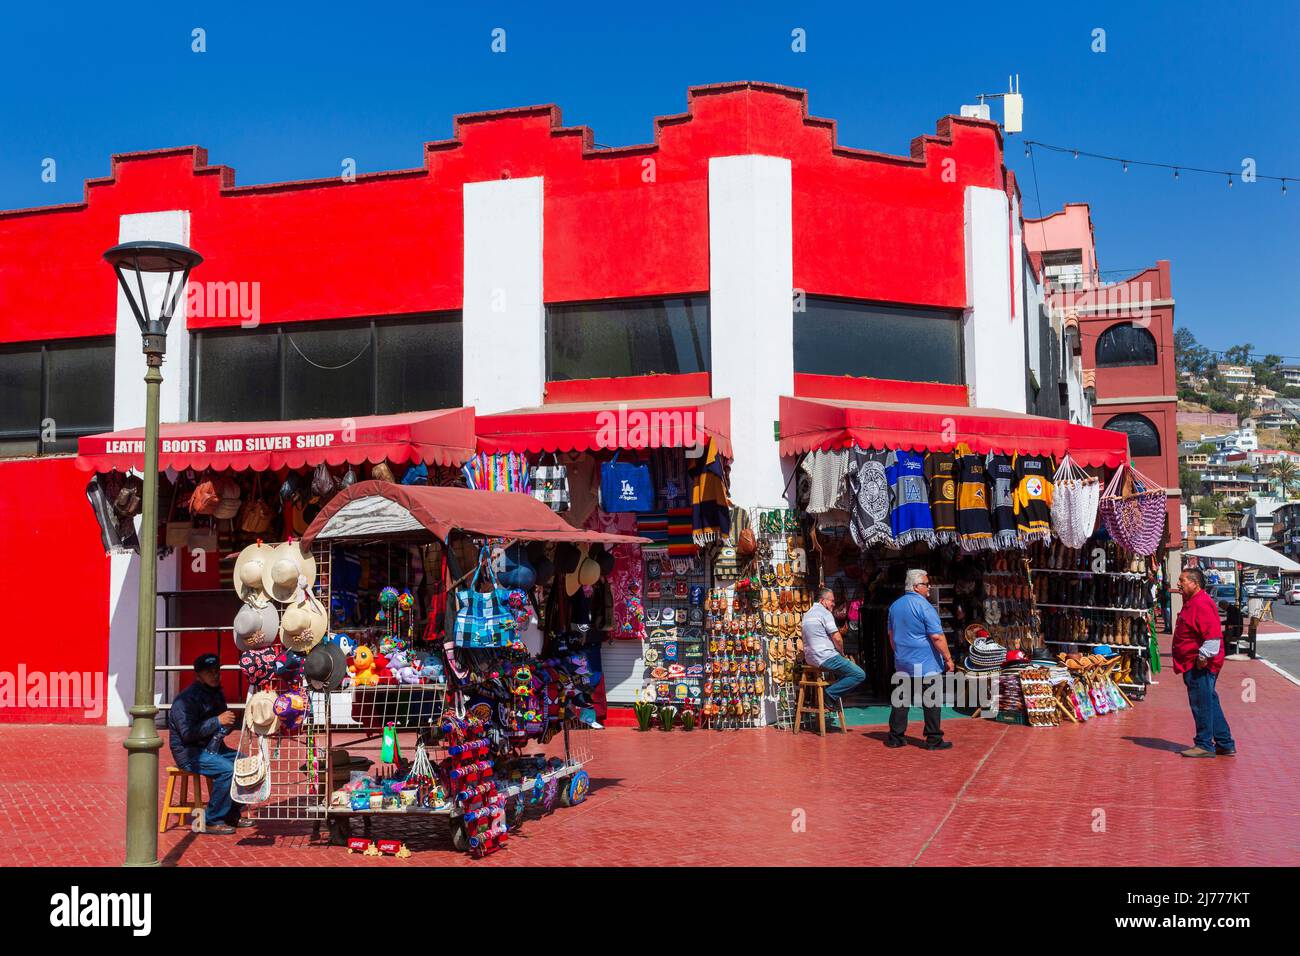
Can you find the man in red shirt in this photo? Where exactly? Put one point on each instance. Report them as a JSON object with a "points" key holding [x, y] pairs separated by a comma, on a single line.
{"points": [[1198, 653]]}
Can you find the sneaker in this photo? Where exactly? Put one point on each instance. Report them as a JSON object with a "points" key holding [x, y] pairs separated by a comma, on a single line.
{"points": [[938, 745], [221, 829], [893, 743], [1196, 752], [245, 823], [1224, 752]]}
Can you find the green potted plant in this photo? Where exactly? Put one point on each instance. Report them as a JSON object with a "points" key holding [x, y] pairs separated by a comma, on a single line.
{"points": [[688, 719], [667, 713], [644, 711]]}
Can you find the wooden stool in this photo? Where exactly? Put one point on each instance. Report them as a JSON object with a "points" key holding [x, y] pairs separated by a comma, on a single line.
{"points": [[182, 807], [813, 679]]}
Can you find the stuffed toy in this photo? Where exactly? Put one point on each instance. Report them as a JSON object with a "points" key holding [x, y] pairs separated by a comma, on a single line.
{"points": [[363, 671], [402, 671]]}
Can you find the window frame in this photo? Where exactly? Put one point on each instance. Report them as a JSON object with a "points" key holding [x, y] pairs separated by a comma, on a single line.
{"points": [[1155, 347], [955, 316], [43, 349], [1155, 430], [372, 324], [705, 348]]}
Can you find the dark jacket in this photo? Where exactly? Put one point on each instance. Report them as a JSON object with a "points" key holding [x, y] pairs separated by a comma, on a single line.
{"points": [[193, 724]]}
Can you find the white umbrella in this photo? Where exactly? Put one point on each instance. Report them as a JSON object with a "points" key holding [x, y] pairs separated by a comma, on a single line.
{"points": [[1247, 551]]}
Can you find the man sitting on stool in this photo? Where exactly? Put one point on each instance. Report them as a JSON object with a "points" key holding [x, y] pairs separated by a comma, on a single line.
{"points": [[823, 646], [921, 658], [198, 723]]}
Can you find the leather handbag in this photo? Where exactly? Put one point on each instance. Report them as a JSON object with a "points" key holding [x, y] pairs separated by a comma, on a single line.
{"points": [[176, 534], [206, 498], [255, 516], [202, 538]]}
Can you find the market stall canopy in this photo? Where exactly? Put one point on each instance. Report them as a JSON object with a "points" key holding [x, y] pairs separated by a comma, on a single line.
{"points": [[1246, 551], [377, 508], [440, 437], [819, 424], [594, 426]]}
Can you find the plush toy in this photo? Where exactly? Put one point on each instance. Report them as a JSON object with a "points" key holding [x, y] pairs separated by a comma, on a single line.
{"points": [[363, 670], [431, 671], [288, 664], [346, 644], [403, 672]]}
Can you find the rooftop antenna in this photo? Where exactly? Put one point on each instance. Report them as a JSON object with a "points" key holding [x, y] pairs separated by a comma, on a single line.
{"points": [[1013, 105]]}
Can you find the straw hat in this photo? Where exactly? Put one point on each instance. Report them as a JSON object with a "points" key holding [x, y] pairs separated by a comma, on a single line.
{"points": [[303, 625], [287, 571], [248, 577], [256, 626], [260, 713]]}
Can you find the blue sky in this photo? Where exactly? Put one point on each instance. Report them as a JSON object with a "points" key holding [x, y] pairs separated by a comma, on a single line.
{"points": [[286, 93]]}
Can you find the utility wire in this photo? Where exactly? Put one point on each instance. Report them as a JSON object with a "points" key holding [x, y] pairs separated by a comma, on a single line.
{"points": [[1176, 167]]}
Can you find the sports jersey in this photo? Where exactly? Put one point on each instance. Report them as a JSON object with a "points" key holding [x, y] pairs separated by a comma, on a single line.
{"points": [[974, 526], [1001, 482], [941, 479], [1033, 497], [909, 514]]}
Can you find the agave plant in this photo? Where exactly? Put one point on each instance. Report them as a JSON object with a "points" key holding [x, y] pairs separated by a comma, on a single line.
{"points": [[644, 711], [667, 714], [688, 719]]}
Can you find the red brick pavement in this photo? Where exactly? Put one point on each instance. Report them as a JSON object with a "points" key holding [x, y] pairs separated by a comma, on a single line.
{"points": [[1110, 791]]}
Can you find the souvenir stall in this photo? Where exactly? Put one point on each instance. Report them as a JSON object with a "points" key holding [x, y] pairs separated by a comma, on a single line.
{"points": [[1037, 535], [477, 708], [656, 468]]}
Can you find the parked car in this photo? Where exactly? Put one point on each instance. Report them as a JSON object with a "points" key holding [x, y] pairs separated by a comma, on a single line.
{"points": [[1292, 594], [1267, 591]]}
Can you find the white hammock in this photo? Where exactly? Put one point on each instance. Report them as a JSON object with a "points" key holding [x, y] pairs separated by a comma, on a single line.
{"points": [[1075, 498]]}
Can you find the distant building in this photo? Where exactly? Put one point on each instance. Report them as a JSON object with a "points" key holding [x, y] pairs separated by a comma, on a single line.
{"points": [[1290, 374], [1237, 376]]}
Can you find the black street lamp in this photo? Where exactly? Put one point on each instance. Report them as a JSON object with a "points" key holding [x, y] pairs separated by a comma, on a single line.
{"points": [[132, 261]]}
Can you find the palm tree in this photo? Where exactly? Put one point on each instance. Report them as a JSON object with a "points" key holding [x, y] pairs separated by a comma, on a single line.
{"points": [[1287, 475]]}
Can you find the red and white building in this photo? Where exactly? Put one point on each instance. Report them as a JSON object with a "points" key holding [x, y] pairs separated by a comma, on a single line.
{"points": [[743, 256]]}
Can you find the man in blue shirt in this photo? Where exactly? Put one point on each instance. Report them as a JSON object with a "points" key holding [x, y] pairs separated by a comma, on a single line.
{"points": [[921, 658]]}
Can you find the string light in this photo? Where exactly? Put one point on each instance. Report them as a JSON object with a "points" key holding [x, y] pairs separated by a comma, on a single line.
{"points": [[1176, 168]]}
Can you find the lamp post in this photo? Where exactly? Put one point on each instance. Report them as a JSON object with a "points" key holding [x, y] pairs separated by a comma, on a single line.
{"points": [[132, 261]]}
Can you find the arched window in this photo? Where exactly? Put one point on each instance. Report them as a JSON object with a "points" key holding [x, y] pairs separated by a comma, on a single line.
{"points": [[1125, 344], [1143, 436]]}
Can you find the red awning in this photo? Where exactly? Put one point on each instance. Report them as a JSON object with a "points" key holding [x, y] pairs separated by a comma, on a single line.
{"points": [[377, 508], [809, 424], [593, 426], [444, 437]]}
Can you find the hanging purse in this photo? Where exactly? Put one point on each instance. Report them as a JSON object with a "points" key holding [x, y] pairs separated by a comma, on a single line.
{"points": [[551, 484], [205, 499], [202, 538], [176, 534], [625, 486], [255, 516], [483, 618]]}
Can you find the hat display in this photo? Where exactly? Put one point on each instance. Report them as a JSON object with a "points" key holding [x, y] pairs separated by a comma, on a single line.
{"points": [[588, 572], [286, 571], [326, 667], [259, 713], [256, 626], [985, 655], [303, 625], [248, 576]]}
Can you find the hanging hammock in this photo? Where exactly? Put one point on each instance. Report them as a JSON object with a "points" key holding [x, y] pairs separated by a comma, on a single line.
{"points": [[1074, 503], [1133, 510]]}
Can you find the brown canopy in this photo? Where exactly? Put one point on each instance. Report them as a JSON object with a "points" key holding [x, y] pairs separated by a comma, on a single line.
{"points": [[376, 508]]}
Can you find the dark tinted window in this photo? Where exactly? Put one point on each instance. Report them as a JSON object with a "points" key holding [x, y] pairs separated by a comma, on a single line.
{"points": [[843, 337], [627, 337], [419, 365], [327, 369], [1126, 345], [69, 384], [1143, 436], [328, 372]]}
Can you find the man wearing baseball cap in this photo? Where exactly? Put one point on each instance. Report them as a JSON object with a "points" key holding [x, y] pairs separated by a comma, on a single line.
{"points": [[198, 723]]}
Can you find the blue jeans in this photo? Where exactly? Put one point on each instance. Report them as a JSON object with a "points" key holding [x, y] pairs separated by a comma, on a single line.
{"points": [[219, 768], [850, 676], [1211, 726]]}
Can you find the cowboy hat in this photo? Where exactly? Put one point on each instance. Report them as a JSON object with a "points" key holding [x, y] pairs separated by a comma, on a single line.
{"points": [[303, 625], [326, 667], [256, 626], [259, 712], [249, 568], [288, 570]]}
